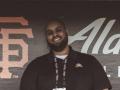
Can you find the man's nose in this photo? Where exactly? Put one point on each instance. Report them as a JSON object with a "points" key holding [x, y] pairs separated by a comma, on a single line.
{"points": [[55, 34]]}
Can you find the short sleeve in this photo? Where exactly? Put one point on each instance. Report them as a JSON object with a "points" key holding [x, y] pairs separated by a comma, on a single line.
{"points": [[100, 78], [29, 78]]}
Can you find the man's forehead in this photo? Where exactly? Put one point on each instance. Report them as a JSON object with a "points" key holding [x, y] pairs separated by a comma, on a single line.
{"points": [[54, 24]]}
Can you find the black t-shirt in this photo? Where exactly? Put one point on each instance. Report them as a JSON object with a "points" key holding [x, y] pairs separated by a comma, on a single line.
{"points": [[83, 72]]}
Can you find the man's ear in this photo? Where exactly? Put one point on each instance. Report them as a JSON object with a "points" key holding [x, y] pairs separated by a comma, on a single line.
{"points": [[67, 31]]}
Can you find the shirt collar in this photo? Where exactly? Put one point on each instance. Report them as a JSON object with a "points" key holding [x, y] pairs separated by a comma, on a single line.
{"points": [[71, 54]]}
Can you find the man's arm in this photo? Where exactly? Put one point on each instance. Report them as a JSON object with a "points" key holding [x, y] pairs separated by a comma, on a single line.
{"points": [[28, 80], [101, 81]]}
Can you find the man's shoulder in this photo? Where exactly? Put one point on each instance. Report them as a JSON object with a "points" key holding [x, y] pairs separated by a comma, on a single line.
{"points": [[83, 55], [85, 59], [43, 57], [39, 60]]}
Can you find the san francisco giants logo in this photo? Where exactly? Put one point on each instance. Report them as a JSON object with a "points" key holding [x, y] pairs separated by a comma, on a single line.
{"points": [[5, 41]]}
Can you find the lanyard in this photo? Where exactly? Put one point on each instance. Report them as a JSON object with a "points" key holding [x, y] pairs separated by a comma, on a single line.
{"points": [[64, 72]]}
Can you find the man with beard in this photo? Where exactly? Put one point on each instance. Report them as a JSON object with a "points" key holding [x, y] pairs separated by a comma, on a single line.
{"points": [[63, 68]]}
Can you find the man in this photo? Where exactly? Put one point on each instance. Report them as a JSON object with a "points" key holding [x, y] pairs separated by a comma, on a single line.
{"points": [[63, 68]]}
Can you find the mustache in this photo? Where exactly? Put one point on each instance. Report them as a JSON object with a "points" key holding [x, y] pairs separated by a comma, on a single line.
{"points": [[57, 36]]}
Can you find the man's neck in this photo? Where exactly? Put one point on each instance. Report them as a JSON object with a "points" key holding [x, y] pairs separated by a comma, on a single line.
{"points": [[63, 52]]}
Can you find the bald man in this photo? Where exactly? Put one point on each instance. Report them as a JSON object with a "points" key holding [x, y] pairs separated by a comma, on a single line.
{"points": [[63, 68]]}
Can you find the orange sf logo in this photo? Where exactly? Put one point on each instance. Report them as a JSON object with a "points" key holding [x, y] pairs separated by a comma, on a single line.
{"points": [[5, 41]]}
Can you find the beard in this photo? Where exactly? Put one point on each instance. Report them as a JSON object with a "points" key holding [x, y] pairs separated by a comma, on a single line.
{"points": [[59, 46]]}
